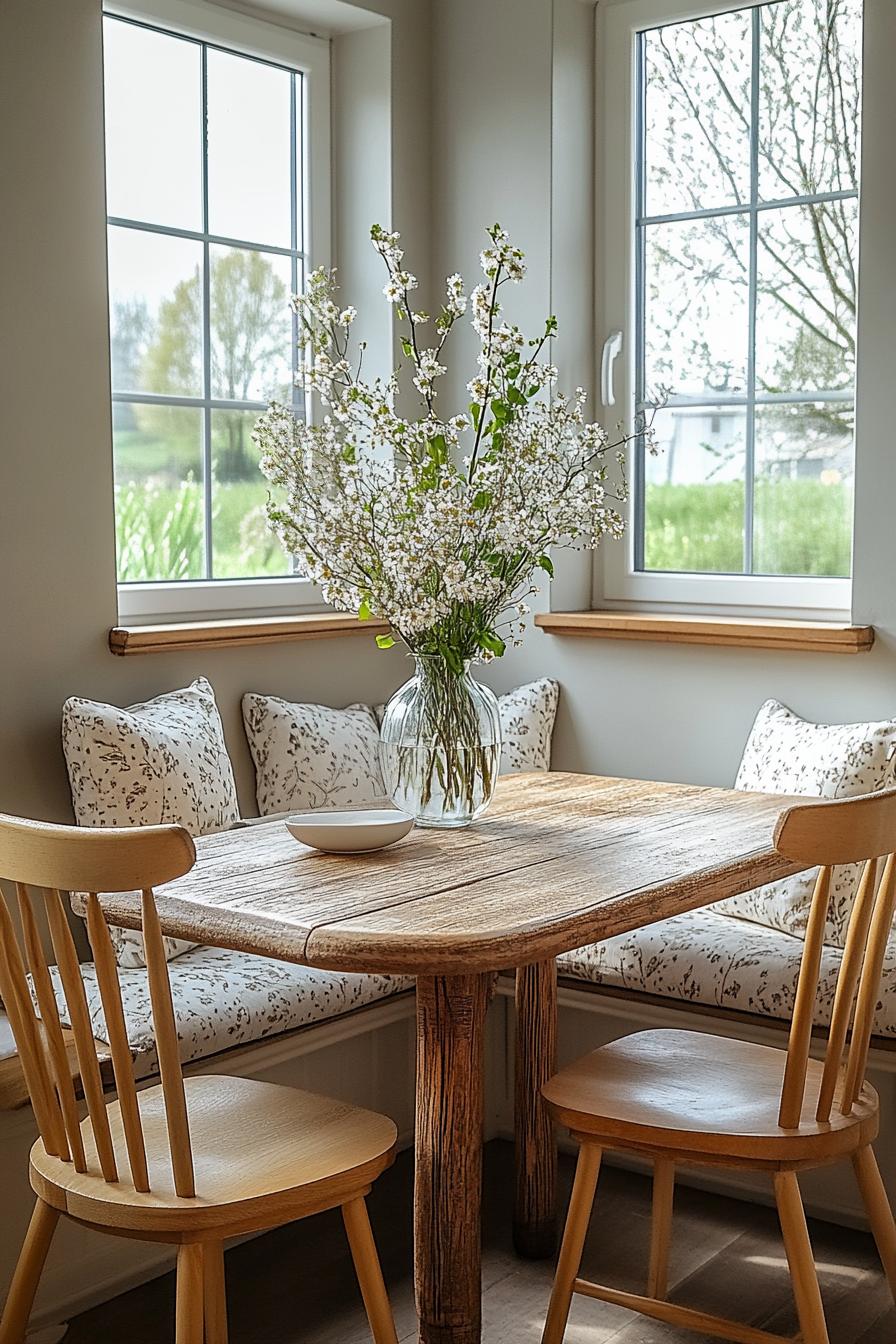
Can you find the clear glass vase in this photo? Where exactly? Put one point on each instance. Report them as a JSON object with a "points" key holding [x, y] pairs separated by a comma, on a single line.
{"points": [[440, 745]]}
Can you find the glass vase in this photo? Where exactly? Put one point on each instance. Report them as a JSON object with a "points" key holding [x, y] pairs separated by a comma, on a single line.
{"points": [[440, 745]]}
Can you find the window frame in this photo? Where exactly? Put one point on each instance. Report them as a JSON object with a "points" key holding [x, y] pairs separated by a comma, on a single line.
{"points": [[617, 583], [199, 599]]}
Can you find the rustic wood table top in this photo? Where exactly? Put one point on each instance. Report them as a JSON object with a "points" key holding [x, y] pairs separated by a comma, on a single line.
{"points": [[558, 860]]}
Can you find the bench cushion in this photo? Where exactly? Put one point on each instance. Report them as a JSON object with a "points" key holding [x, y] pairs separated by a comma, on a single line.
{"points": [[718, 961], [786, 754], [224, 999]]}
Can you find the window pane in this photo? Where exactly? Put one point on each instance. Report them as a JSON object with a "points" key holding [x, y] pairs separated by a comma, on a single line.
{"points": [[802, 511], [251, 325], [155, 296], [694, 497], [697, 115], [810, 57], [159, 505], [756, 106], [806, 297], [249, 150], [243, 546], [696, 297], [153, 126]]}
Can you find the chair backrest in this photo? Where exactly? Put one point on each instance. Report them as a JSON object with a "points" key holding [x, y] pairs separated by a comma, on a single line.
{"points": [[57, 859], [850, 830]]}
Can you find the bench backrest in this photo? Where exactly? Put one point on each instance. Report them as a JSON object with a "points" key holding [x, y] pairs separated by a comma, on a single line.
{"points": [[53, 860]]}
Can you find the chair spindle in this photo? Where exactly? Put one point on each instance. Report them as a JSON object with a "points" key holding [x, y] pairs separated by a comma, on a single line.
{"points": [[79, 1017], [169, 1054], [122, 1060], [49, 1013], [803, 1009], [26, 1030], [847, 982], [869, 987]]}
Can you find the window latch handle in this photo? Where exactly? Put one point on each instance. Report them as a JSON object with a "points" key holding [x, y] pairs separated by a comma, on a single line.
{"points": [[612, 347]]}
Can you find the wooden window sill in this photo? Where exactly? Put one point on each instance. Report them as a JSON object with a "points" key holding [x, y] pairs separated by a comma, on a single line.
{"points": [[229, 634], [727, 631]]}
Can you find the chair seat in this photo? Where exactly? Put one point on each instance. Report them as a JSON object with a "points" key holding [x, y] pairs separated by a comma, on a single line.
{"points": [[263, 1155], [680, 1091]]}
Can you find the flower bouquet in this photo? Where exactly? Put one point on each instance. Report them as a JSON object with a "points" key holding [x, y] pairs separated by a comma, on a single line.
{"points": [[436, 524]]}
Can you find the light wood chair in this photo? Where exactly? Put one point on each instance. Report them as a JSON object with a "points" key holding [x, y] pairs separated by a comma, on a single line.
{"points": [[679, 1096], [189, 1162]]}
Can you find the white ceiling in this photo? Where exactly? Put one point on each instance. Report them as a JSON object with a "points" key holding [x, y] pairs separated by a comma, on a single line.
{"points": [[323, 18]]}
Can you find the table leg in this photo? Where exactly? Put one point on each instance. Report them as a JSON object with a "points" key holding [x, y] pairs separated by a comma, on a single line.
{"points": [[448, 1183], [535, 1210]]}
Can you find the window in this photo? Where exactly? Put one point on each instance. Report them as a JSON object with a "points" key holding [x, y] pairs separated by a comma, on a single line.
{"points": [[207, 152], [741, 298]]}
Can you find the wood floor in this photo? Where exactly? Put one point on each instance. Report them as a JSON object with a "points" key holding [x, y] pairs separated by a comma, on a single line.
{"points": [[296, 1286]]}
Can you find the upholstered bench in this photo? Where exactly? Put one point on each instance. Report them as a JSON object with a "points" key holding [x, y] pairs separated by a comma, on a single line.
{"points": [[224, 999], [707, 959], [166, 760], [742, 956]]}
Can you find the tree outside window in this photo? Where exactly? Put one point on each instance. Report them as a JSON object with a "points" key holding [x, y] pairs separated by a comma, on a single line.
{"points": [[747, 279], [205, 248]]}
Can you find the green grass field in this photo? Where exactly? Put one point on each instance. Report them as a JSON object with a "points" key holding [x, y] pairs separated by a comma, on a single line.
{"points": [[159, 532], [801, 527]]}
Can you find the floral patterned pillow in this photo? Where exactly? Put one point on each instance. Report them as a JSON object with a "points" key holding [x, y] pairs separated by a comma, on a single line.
{"points": [[527, 723], [310, 757], [786, 754], [164, 761]]}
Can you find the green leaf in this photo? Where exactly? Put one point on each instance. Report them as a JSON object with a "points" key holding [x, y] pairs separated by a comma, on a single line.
{"points": [[451, 656], [546, 564], [364, 610], [492, 643], [482, 500], [385, 641], [407, 347]]}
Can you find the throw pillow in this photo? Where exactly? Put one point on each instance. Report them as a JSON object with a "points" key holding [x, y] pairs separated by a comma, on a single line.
{"points": [[309, 757], [527, 724], [161, 762], [787, 754]]}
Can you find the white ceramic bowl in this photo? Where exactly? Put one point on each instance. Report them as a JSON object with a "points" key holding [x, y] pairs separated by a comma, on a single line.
{"points": [[350, 832]]}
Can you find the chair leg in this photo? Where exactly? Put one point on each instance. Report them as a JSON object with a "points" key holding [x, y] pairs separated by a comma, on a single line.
{"points": [[190, 1294], [661, 1228], [28, 1271], [800, 1258], [580, 1205], [877, 1206], [214, 1296], [370, 1275]]}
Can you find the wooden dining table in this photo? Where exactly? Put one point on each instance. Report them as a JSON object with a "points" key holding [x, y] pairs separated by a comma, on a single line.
{"points": [[557, 861]]}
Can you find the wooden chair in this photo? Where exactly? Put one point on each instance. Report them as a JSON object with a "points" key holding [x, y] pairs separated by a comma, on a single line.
{"points": [[679, 1096], [187, 1162]]}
